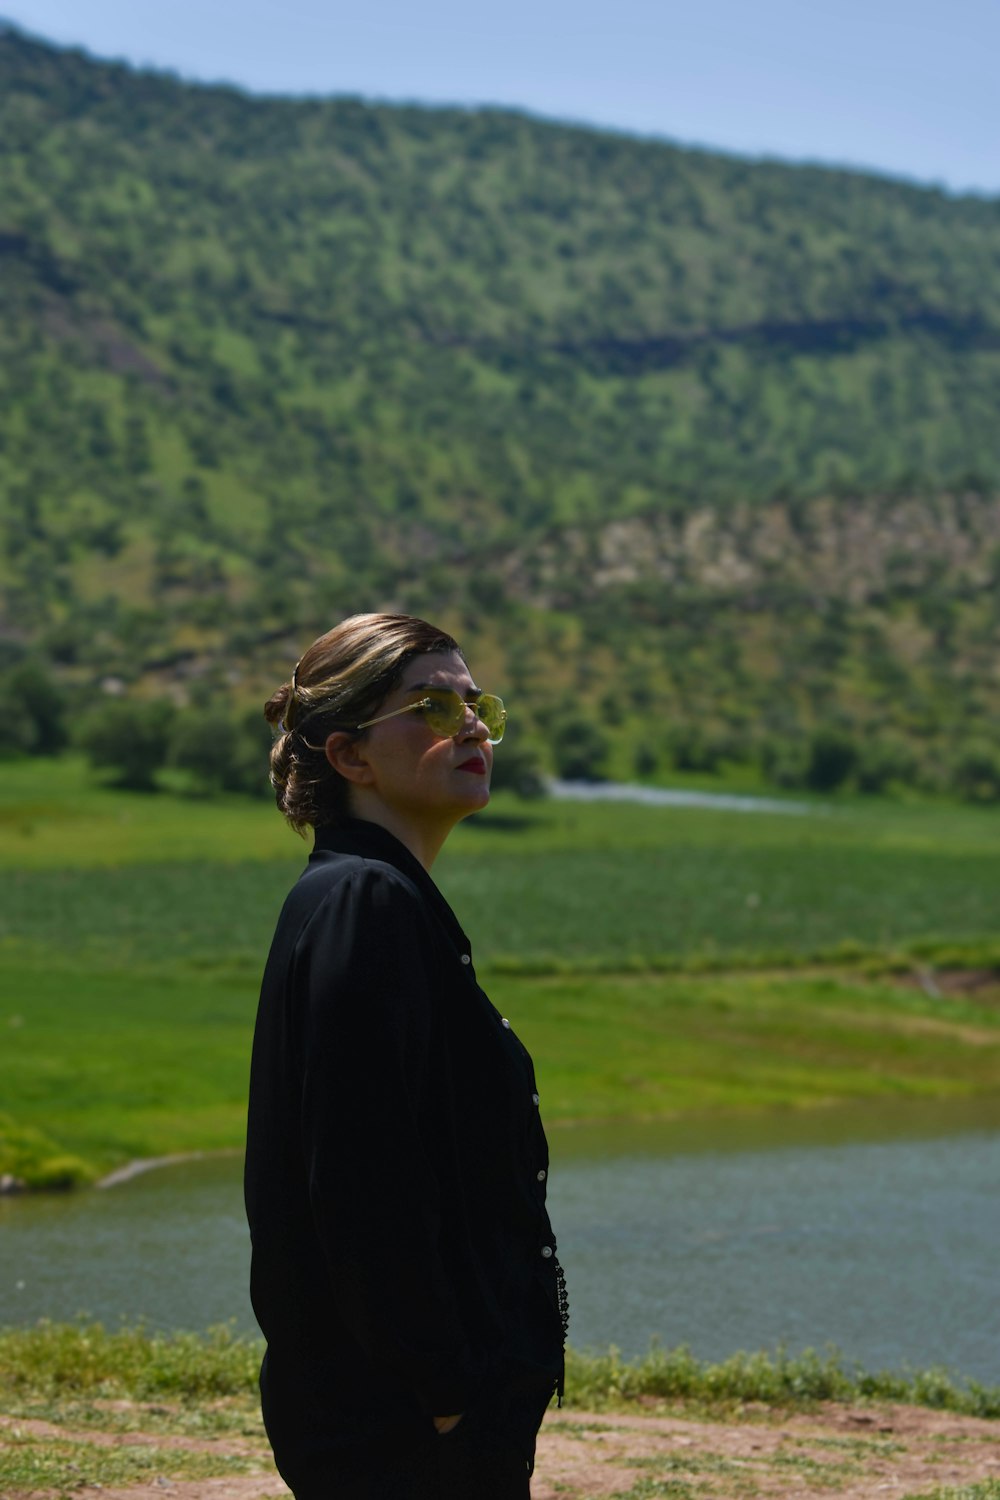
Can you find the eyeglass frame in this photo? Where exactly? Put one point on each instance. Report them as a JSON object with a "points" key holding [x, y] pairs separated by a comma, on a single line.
{"points": [[429, 703]]}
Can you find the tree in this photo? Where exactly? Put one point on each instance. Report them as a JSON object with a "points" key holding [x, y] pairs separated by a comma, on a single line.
{"points": [[645, 759], [130, 737], [832, 758], [691, 749], [248, 760], [36, 706], [784, 760], [976, 772], [516, 768], [222, 751], [582, 750], [882, 760]]}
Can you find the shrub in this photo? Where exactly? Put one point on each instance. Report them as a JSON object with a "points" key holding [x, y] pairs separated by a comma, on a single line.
{"points": [[646, 759], [883, 760], [245, 759], [692, 749], [784, 762], [582, 751], [129, 737], [36, 710], [189, 750], [832, 756], [222, 751], [976, 772], [32, 1158], [516, 768]]}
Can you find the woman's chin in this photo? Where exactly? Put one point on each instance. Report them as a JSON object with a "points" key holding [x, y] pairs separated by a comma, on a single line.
{"points": [[476, 797]]}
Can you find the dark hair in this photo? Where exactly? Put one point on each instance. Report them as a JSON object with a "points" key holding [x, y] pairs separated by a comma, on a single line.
{"points": [[343, 678]]}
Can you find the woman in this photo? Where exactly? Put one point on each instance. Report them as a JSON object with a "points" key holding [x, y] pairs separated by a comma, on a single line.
{"points": [[403, 1271]]}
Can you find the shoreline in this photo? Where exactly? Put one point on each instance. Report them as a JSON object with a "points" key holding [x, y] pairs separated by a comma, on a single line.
{"points": [[142, 1164], [874, 1119]]}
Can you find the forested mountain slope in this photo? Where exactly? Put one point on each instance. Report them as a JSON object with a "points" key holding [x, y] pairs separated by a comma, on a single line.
{"points": [[713, 443]]}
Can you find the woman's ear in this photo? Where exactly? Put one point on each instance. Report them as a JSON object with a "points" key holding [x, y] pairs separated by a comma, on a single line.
{"points": [[345, 752]]}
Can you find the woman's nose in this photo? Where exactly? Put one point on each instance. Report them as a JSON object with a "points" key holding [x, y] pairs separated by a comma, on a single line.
{"points": [[476, 729]]}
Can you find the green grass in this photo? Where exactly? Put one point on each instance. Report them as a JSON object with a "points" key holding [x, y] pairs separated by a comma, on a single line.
{"points": [[721, 902], [986, 1489], [55, 816], [33, 1464], [114, 1064], [660, 1489], [29, 1154], [605, 1382], [634, 950], [130, 1381], [656, 1046], [53, 1366], [577, 909], [144, 878], [122, 1063], [155, 1393], [57, 1362]]}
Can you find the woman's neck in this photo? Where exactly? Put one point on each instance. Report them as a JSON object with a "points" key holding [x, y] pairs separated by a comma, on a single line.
{"points": [[424, 841]]}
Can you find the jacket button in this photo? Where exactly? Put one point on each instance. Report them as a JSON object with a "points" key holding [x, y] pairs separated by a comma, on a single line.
{"points": [[504, 1022], [546, 1252], [466, 958], [541, 1175], [534, 1098]]}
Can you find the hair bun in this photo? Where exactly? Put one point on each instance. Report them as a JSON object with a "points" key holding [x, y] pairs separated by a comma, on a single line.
{"points": [[277, 706]]}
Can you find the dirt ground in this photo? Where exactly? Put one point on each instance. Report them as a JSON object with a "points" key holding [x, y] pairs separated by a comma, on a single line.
{"points": [[857, 1453]]}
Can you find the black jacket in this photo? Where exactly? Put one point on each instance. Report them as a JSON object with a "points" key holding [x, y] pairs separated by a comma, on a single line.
{"points": [[403, 1260]]}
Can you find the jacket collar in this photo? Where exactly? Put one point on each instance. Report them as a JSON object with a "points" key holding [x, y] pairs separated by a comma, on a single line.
{"points": [[372, 841]]}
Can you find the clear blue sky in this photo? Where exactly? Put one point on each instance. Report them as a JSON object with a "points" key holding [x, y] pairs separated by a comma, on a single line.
{"points": [[908, 87]]}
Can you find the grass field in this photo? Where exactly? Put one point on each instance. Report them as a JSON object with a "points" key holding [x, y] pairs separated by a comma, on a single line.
{"points": [[133, 1412], [658, 962], [51, 1369]]}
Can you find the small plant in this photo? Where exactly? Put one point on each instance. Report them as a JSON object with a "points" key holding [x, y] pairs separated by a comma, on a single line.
{"points": [[30, 1159]]}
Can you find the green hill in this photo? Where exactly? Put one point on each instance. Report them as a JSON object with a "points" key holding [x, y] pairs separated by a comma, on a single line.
{"points": [[708, 444]]}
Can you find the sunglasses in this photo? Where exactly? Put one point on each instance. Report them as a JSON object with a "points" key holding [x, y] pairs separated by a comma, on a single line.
{"points": [[444, 713]]}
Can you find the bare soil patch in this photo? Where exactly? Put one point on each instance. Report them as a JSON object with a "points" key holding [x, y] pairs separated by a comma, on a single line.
{"points": [[980, 985], [855, 1452]]}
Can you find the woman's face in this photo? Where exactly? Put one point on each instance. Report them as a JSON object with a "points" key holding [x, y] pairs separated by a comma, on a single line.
{"points": [[416, 774]]}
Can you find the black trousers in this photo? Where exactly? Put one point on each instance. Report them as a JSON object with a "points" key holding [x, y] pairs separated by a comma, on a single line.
{"points": [[458, 1465], [480, 1459]]}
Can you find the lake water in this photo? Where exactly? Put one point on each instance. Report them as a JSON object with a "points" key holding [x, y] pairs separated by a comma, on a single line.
{"points": [[871, 1229], [661, 796]]}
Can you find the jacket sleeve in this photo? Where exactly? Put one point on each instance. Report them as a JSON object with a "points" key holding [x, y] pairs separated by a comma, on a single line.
{"points": [[364, 980]]}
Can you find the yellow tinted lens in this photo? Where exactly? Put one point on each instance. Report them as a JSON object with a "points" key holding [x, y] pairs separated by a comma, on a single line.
{"points": [[445, 712], [493, 714]]}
